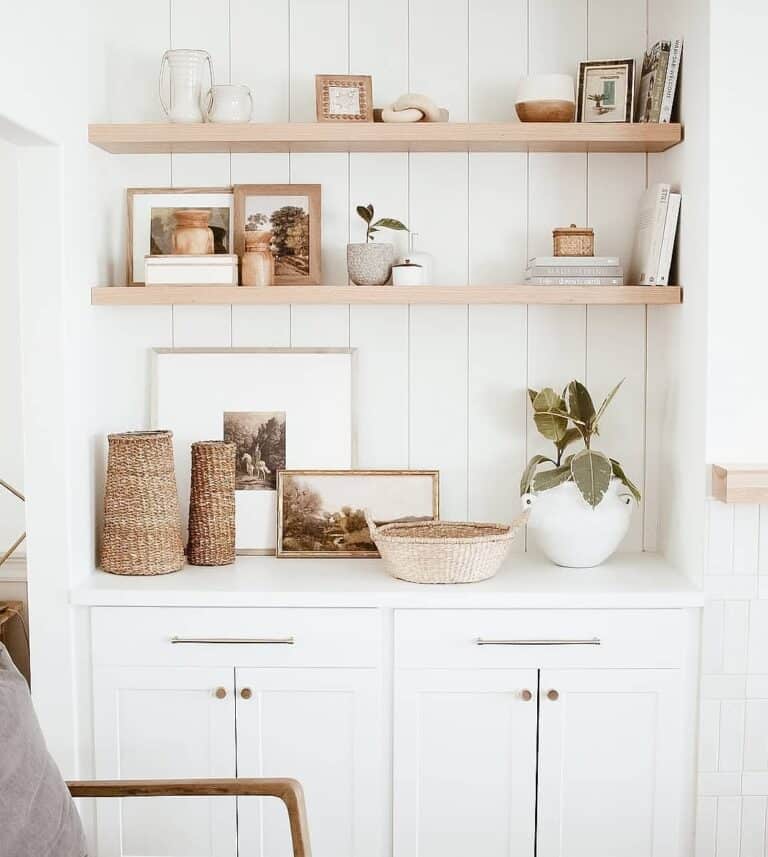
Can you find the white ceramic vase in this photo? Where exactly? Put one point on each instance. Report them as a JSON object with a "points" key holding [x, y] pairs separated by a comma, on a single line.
{"points": [[570, 532], [370, 264]]}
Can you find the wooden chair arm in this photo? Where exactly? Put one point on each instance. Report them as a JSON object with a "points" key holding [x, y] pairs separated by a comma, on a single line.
{"points": [[289, 791]]}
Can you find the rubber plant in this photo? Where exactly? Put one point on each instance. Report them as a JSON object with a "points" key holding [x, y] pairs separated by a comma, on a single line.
{"points": [[565, 419], [366, 212]]}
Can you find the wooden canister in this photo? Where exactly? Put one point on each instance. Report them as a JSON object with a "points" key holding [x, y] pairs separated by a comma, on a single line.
{"points": [[258, 263], [574, 241]]}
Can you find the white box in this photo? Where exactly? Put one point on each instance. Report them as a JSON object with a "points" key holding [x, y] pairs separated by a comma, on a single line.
{"points": [[212, 270]]}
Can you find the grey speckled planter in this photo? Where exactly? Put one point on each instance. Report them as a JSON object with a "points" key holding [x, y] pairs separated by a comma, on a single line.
{"points": [[370, 264]]}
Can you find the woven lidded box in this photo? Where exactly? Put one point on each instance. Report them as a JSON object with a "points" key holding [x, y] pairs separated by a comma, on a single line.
{"points": [[574, 240]]}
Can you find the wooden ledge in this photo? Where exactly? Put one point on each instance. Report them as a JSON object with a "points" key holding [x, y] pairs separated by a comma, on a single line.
{"points": [[740, 483]]}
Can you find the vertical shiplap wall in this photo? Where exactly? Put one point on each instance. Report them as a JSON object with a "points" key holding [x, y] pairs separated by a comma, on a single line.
{"points": [[439, 387]]}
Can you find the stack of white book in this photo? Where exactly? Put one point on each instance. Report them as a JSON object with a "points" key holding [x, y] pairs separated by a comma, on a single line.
{"points": [[575, 271], [210, 270], [655, 236]]}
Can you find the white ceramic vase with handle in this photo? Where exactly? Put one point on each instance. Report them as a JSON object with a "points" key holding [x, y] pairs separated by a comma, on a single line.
{"points": [[186, 68], [570, 532], [229, 102]]}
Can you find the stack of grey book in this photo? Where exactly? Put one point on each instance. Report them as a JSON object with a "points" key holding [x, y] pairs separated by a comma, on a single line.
{"points": [[574, 271]]}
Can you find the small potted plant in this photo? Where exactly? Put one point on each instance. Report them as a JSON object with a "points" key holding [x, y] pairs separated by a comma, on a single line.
{"points": [[580, 503], [370, 264]]}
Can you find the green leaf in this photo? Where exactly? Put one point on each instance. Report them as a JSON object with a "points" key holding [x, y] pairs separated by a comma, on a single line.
{"points": [[389, 223], [546, 479], [592, 474], [580, 404], [366, 212], [571, 436], [532, 394], [550, 423], [527, 477], [607, 401], [618, 472]]}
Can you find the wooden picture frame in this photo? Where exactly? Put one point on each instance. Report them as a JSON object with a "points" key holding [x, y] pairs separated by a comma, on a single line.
{"points": [[428, 495], [616, 81], [193, 197], [305, 273], [333, 89]]}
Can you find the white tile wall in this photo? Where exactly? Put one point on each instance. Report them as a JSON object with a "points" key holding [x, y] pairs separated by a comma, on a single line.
{"points": [[732, 812]]}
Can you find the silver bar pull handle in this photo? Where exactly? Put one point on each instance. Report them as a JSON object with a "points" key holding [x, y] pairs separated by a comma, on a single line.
{"points": [[236, 641], [593, 641]]}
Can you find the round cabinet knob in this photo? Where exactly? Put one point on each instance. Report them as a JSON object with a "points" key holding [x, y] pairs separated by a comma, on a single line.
{"points": [[220, 692], [526, 695], [246, 693], [553, 695]]}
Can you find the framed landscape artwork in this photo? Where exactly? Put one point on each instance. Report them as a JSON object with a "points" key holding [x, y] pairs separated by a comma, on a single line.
{"points": [[280, 407], [321, 513], [151, 221], [289, 215]]}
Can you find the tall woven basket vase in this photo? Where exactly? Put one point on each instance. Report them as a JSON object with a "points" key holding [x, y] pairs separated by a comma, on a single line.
{"points": [[212, 504], [142, 522]]}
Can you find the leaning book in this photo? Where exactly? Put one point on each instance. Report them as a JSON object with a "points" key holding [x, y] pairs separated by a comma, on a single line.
{"points": [[652, 80]]}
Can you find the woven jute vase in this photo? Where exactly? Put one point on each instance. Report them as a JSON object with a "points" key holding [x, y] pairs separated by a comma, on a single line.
{"points": [[212, 504], [142, 522]]}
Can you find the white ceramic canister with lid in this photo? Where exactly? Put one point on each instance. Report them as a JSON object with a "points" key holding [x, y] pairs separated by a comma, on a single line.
{"points": [[407, 273], [417, 257]]}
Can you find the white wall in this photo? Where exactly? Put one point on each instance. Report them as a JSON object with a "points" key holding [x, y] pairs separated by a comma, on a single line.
{"points": [[439, 387], [11, 448], [738, 308]]}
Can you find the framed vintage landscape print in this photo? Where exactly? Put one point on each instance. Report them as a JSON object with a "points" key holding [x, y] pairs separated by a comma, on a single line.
{"points": [[151, 213], [344, 97], [606, 91], [280, 407], [321, 513], [290, 214]]}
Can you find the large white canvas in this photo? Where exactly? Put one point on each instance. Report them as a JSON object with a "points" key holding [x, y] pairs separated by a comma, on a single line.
{"points": [[194, 387]]}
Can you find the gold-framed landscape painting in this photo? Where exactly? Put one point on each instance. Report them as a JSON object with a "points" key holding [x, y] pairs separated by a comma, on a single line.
{"points": [[321, 513]]}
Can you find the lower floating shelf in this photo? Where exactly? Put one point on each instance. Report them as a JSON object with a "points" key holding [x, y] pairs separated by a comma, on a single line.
{"points": [[209, 295]]}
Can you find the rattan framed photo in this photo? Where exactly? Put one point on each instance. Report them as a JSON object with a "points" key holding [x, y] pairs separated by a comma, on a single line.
{"points": [[344, 97], [281, 407], [291, 213], [606, 91], [321, 513]]}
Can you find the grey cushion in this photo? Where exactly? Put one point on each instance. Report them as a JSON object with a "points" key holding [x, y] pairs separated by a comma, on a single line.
{"points": [[37, 815]]}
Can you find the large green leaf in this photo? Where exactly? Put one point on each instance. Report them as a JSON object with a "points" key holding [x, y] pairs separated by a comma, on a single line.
{"points": [[546, 414], [366, 212], [389, 223], [580, 404], [571, 436], [527, 477], [607, 401], [618, 472], [546, 479], [592, 474]]}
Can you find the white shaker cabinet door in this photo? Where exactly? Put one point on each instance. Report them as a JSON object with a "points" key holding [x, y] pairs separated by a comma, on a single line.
{"points": [[609, 763], [165, 723], [465, 763], [323, 728]]}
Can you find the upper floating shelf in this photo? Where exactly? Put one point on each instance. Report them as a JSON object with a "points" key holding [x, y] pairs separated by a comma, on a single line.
{"points": [[154, 138], [210, 295]]}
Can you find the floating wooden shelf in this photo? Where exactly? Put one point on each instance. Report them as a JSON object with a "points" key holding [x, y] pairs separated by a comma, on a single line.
{"points": [[740, 483], [177, 295], [152, 138]]}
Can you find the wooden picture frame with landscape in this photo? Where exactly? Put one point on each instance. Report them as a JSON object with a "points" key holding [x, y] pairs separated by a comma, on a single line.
{"points": [[302, 269], [338, 530]]}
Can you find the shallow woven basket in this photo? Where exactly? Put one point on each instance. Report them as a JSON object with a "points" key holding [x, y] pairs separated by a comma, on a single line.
{"points": [[212, 504], [142, 522], [444, 551]]}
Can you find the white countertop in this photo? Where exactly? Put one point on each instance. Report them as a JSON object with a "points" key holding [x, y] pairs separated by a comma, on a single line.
{"points": [[638, 580]]}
